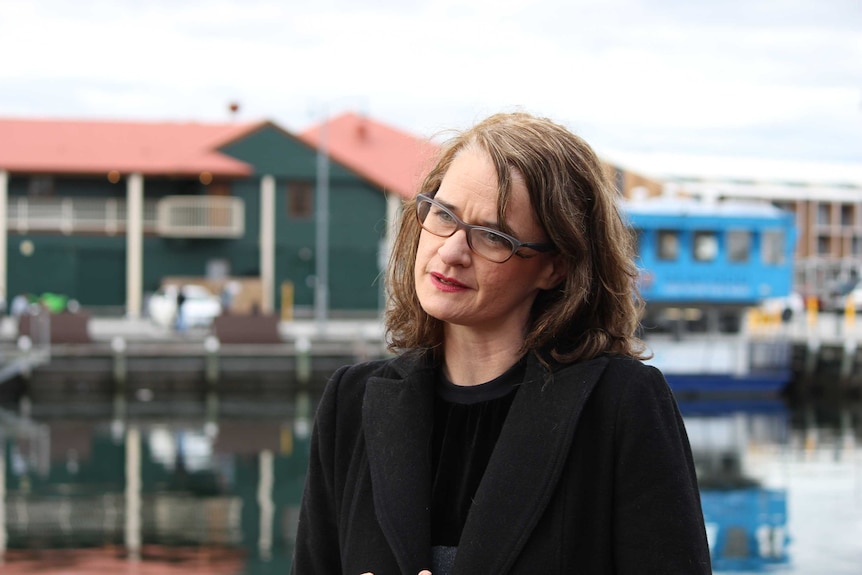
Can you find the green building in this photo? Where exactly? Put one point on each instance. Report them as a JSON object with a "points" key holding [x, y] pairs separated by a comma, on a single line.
{"points": [[105, 211]]}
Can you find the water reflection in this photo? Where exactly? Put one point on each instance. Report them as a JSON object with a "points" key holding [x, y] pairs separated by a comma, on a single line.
{"points": [[782, 489], [781, 485], [746, 517], [224, 499]]}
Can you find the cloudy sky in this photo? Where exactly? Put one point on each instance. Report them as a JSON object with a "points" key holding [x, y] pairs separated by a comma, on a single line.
{"points": [[647, 82]]}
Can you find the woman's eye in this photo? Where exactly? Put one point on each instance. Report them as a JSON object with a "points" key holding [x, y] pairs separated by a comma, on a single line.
{"points": [[495, 239], [443, 215]]}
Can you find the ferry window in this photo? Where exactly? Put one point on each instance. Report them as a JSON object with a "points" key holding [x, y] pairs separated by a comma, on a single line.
{"points": [[668, 245], [738, 245], [705, 246], [300, 200], [773, 247]]}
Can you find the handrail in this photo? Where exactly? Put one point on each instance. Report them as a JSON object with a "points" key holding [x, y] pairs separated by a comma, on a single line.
{"points": [[170, 216]]}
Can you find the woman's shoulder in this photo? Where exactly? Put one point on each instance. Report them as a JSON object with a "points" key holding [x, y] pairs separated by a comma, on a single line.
{"points": [[353, 378], [614, 367], [631, 382], [356, 375], [626, 366], [623, 376]]}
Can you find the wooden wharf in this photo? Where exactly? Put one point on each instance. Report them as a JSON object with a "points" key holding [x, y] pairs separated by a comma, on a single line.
{"points": [[136, 359]]}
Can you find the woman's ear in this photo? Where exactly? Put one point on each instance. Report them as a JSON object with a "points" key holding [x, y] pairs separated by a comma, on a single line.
{"points": [[554, 273]]}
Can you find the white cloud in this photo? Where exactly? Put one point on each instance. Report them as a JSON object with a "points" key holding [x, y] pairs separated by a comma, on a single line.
{"points": [[674, 73]]}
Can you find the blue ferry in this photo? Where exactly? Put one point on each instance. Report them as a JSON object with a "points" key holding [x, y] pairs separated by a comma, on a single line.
{"points": [[703, 265]]}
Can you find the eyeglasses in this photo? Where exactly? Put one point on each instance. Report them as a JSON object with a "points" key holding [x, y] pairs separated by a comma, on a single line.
{"points": [[489, 243]]}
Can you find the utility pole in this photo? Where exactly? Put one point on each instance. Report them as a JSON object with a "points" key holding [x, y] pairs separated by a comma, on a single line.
{"points": [[321, 284]]}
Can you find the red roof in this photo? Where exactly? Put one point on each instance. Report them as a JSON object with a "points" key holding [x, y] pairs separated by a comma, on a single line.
{"points": [[391, 159], [98, 147]]}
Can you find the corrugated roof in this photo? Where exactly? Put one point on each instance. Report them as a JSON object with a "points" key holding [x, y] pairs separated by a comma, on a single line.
{"points": [[387, 157], [98, 147]]}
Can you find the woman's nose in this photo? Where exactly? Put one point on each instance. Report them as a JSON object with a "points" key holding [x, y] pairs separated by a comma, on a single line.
{"points": [[455, 250]]}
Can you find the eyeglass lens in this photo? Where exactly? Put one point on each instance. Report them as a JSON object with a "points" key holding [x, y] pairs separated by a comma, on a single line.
{"points": [[484, 241]]}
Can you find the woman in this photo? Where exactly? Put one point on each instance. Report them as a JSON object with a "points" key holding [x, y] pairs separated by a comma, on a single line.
{"points": [[517, 431]]}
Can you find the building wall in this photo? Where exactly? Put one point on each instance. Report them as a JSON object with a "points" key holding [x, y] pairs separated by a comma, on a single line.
{"points": [[92, 268], [356, 225], [89, 269]]}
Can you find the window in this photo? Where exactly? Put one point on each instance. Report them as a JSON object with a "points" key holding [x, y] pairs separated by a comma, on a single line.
{"points": [[773, 247], [668, 245], [41, 186], [738, 245], [846, 215], [823, 214], [823, 246], [300, 200], [705, 246]]}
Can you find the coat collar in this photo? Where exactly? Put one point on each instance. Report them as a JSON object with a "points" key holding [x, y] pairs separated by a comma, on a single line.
{"points": [[521, 474]]}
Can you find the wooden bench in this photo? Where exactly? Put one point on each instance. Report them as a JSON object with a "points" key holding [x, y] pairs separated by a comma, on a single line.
{"points": [[253, 328], [65, 327]]}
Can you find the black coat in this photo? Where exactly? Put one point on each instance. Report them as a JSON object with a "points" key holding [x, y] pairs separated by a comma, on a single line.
{"points": [[592, 473]]}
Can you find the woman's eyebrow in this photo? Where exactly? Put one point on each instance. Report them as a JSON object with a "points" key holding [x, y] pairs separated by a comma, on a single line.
{"points": [[454, 210]]}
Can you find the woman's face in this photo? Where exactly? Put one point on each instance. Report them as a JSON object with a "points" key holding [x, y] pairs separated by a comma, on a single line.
{"points": [[457, 286]]}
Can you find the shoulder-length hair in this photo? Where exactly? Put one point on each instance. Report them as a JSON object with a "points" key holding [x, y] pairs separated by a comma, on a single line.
{"points": [[596, 308]]}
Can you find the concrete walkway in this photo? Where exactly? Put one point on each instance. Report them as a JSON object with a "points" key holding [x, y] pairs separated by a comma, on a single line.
{"points": [[144, 329]]}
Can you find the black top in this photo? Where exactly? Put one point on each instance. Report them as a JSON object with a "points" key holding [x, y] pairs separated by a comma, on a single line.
{"points": [[467, 423]]}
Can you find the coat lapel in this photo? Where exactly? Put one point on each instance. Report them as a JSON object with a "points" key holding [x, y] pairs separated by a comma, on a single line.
{"points": [[398, 419], [525, 466]]}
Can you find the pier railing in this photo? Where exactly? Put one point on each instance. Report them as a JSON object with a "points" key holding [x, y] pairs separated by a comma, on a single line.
{"points": [[21, 356], [174, 216]]}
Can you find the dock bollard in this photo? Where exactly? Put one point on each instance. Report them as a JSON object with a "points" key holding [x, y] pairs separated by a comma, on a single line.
{"points": [[303, 360], [25, 346], [302, 417], [812, 352], [118, 346], [811, 310], [848, 358], [212, 346]]}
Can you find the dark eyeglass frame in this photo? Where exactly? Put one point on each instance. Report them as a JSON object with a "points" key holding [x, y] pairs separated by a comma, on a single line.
{"points": [[468, 228]]}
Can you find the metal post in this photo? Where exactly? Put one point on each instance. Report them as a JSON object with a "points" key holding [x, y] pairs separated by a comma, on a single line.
{"points": [[321, 285]]}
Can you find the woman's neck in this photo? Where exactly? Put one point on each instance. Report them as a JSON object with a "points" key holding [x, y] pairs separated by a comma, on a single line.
{"points": [[473, 360]]}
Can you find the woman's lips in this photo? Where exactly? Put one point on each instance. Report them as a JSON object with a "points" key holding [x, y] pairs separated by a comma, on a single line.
{"points": [[446, 283]]}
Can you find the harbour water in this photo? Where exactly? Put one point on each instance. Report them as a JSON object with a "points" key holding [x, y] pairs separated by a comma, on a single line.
{"points": [[809, 453], [182, 477], [222, 497]]}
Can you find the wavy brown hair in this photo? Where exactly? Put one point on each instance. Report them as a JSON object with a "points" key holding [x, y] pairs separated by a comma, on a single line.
{"points": [[596, 308]]}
